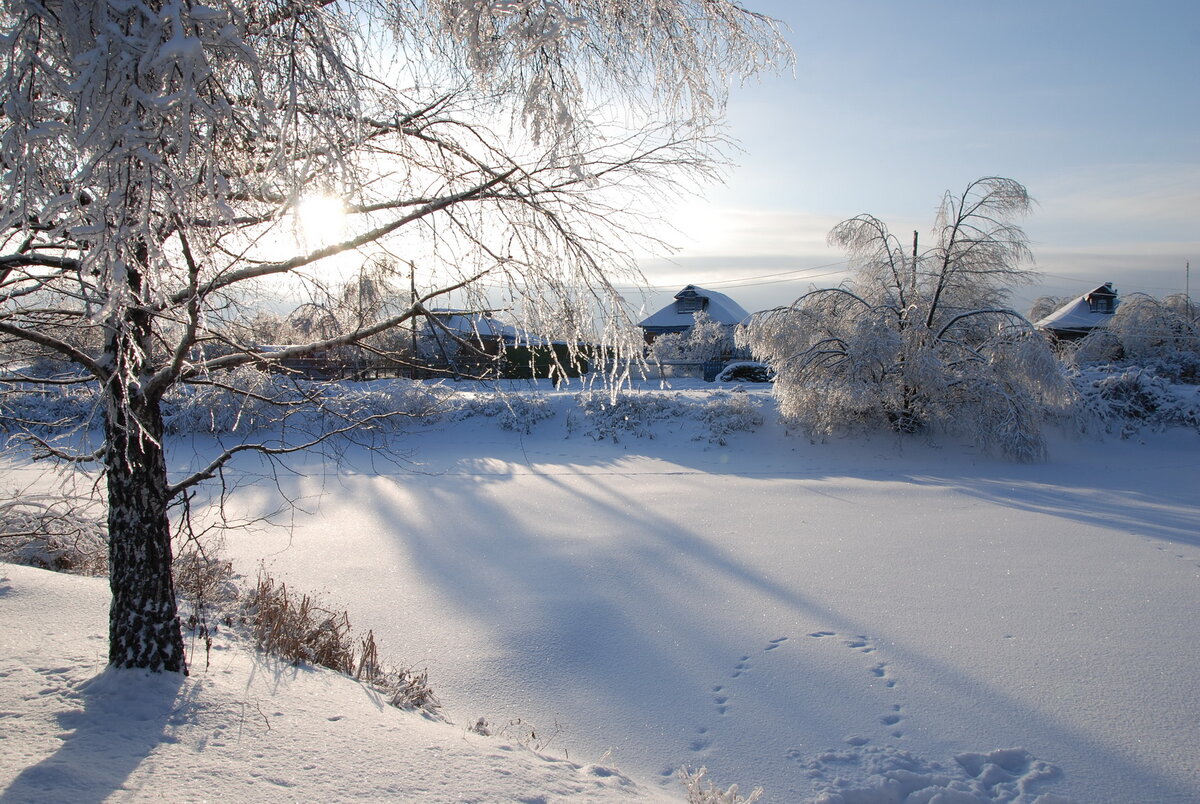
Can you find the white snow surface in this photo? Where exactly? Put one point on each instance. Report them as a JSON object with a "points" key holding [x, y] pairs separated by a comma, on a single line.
{"points": [[855, 622], [241, 728]]}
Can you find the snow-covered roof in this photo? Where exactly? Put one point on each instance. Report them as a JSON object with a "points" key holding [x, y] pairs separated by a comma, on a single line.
{"points": [[470, 325], [1081, 315], [719, 307]]}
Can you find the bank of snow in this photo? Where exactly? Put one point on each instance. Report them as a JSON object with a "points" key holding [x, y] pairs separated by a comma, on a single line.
{"points": [[242, 729]]}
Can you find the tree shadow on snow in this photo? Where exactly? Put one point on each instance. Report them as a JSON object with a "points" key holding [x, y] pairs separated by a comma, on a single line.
{"points": [[600, 599], [607, 589], [123, 716], [1144, 490]]}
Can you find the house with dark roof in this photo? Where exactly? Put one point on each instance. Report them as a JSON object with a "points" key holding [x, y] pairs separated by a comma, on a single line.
{"points": [[1081, 315], [679, 315]]}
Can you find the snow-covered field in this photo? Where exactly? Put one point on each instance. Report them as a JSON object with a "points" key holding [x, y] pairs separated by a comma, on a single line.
{"points": [[868, 621]]}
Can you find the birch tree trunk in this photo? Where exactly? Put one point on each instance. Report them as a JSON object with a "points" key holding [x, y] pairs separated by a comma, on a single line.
{"points": [[143, 623]]}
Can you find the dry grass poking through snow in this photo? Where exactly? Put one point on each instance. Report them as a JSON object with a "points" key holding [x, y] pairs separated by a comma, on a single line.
{"points": [[297, 628], [702, 792], [66, 534]]}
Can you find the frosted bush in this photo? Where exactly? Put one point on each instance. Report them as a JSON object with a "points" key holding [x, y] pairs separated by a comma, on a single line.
{"points": [[242, 400], [245, 400], [51, 407], [63, 533], [706, 339], [610, 417], [638, 414], [386, 403], [517, 412], [727, 413], [1162, 335], [1124, 399]]}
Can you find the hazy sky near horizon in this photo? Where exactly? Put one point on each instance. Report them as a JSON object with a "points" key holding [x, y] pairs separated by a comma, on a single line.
{"points": [[1093, 106]]}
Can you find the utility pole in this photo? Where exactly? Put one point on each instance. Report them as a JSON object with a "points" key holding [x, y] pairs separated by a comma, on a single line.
{"points": [[913, 279], [1187, 288], [412, 322]]}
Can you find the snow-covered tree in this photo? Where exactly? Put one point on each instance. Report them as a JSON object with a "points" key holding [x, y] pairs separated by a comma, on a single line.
{"points": [[159, 158], [1162, 334], [920, 339], [705, 339], [1045, 305]]}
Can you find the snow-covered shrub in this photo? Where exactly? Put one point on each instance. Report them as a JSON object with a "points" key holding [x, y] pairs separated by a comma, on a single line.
{"points": [[517, 412], [727, 413], [1123, 399], [378, 403], [706, 339], [47, 408], [242, 400], [1158, 334], [746, 371], [1154, 330], [1161, 335], [608, 417], [64, 533], [247, 399], [712, 419], [701, 791], [1100, 346]]}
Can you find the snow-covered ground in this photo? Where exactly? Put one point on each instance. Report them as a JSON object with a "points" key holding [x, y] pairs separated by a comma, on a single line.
{"points": [[857, 621], [241, 729]]}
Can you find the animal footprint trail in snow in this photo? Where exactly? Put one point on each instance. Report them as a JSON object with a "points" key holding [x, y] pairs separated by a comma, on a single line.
{"points": [[861, 643], [720, 693], [720, 700]]}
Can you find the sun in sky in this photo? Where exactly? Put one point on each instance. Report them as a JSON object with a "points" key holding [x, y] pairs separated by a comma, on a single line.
{"points": [[321, 220]]}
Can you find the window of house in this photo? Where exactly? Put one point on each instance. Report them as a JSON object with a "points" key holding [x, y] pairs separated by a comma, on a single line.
{"points": [[1101, 304], [689, 304]]}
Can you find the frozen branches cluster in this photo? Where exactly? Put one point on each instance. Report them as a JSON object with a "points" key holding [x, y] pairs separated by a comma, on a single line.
{"points": [[613, 417], [1123, 400], [920, 340], [705, 339], [63, 532], [1158, 334]]}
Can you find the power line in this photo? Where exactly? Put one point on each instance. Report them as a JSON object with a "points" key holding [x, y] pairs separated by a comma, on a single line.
{"points": [[752, 281]]}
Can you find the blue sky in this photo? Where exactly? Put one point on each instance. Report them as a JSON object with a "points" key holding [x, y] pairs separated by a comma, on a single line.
{"points": [[1094, 106]]}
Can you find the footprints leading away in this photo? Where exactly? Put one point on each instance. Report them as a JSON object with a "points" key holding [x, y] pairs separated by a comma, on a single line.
{"points": [[723, 699], [878, 670], [721, 693], [744, 665], [1172, 550]]}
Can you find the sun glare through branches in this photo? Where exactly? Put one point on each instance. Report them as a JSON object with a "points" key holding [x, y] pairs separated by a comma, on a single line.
{"points": [[320, 220]]}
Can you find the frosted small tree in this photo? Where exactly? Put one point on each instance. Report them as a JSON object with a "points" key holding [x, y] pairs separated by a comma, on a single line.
{"points": [[920, 339], [157, 154], [705, 339], [1163, 334], [1045, 305]]}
